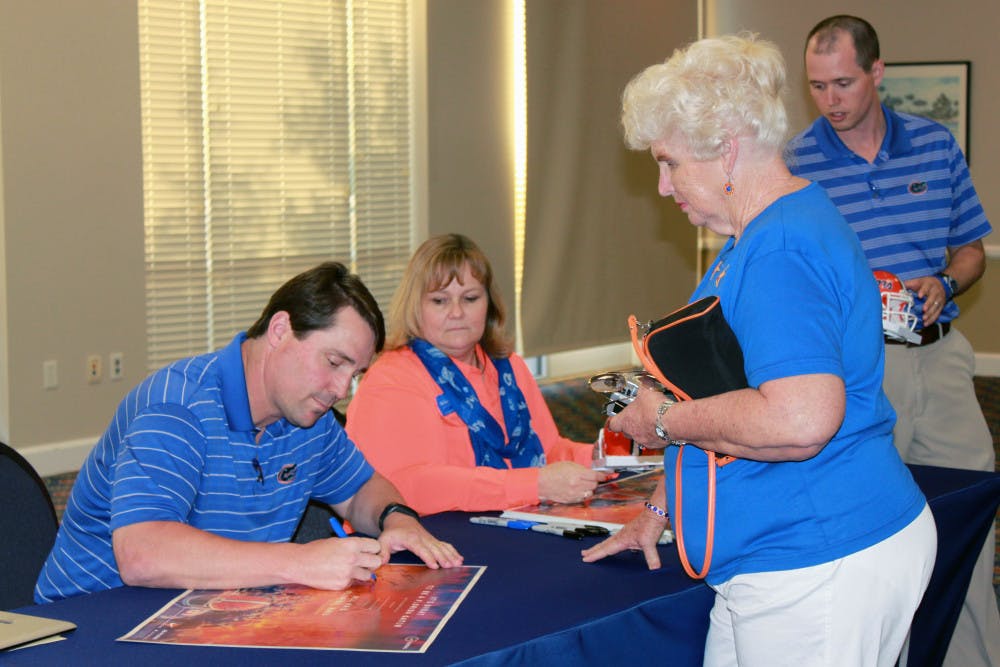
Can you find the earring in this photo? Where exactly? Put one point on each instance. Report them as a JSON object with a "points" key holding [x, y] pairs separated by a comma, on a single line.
{"points": [[728, 187]]}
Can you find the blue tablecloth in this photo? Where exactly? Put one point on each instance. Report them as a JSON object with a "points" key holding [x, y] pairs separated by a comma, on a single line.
{"points": [[965, 507], [537, 603]]}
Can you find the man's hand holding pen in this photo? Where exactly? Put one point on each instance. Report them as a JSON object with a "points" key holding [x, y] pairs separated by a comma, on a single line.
{"points": [[334, 564]]}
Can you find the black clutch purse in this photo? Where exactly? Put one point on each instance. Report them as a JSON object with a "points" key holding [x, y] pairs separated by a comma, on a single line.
{"points": [[694, 353]]}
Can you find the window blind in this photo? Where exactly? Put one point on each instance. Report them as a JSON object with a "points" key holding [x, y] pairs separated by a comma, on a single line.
{"points": [[276, 135]]}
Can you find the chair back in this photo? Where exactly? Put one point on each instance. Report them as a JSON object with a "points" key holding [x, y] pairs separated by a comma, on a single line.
{"points": [[28, 527], [315, 523]]}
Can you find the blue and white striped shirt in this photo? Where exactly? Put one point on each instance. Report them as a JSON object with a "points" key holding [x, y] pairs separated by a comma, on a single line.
{"points": [[907, 207], [181, 447]]}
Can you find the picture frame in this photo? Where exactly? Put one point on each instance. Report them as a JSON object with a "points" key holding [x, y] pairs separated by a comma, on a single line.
{"points": [[935, 90]]}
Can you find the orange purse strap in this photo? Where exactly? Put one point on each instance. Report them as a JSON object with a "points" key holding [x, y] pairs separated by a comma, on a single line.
{"points": [[714, 462], [709, 518]]}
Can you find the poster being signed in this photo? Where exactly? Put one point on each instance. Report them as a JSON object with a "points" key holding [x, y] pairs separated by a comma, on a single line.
{"points": [[403, 611]]}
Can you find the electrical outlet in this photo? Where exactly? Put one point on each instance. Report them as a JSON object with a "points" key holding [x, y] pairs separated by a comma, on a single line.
{"points": [[116, 365], [94, 370], [50, 374]]}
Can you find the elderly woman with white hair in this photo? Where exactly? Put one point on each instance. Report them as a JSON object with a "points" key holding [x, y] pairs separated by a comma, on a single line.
{"points": [[821, 544]]}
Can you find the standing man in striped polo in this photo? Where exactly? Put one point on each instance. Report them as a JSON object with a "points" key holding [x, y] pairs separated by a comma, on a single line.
{"points": [[207, 465], [903, 185]]}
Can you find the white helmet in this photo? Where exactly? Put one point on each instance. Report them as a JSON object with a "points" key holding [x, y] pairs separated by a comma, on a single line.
{"points": [[898, 320]]}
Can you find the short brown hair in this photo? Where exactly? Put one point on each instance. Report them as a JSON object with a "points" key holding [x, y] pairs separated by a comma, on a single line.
{"points": [[313, 298], [437, 262], [862, 33]]}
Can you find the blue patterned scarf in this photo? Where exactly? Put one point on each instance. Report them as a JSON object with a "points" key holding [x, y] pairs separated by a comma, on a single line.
{"points": [[524, 449]]}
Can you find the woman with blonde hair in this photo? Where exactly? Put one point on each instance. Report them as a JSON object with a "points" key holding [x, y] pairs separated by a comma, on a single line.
{"points": [[449, 413]]}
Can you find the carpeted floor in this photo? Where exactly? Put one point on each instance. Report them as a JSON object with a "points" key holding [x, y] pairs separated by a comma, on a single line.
{"points": [[577, 411]]}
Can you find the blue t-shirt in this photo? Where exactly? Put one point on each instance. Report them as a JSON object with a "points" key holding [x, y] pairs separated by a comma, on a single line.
{"points": [[181, 447], [909, 205], [800, 298]]}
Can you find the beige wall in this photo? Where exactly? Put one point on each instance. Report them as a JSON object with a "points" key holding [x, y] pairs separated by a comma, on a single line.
{"points": [[909, 30], [71, 199], [71, 244], [470, 128]]}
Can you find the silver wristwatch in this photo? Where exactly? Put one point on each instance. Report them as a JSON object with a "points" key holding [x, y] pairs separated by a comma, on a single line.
{"points": [[661, 432]]}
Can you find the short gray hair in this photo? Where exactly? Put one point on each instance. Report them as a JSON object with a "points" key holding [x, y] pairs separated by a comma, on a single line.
{"points": [[707, 91]]}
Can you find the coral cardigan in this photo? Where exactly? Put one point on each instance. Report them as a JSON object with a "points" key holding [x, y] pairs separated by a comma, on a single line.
{"points": [[395, 421]]}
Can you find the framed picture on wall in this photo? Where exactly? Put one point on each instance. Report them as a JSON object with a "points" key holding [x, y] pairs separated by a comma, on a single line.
{"points": [[935, 90]]}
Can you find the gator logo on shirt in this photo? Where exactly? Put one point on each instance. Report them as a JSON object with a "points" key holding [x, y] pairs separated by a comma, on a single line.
{"points": [[719, 272], [918, 187], [287, 473]]}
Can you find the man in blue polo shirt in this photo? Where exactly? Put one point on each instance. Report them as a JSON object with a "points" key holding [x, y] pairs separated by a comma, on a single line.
{"points": [[902, 183], [207, 466]]}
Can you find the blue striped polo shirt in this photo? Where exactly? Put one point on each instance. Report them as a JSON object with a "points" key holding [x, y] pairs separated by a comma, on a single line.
{"points": [[181, 447], [908, 206]]}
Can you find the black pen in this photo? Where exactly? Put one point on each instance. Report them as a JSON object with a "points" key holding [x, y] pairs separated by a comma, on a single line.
{"points": [[593, 531], [556, 530], [587, 530]]}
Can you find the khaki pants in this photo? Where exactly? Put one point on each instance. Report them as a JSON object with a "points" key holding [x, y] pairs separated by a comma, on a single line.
{"points": [[939, 423]]}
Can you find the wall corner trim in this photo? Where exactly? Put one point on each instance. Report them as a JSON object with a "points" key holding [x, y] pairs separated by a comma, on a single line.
{"points": [[988, 364], [56, 458]]}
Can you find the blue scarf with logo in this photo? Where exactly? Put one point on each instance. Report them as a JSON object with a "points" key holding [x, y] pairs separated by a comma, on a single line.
{"points": [[524, 449]]}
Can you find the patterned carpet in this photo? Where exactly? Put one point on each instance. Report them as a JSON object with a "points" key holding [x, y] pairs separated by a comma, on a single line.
{"points": [[577, 411]]}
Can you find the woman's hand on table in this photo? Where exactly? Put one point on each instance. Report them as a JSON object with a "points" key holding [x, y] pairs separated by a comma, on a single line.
{"points": [[640, 534]]}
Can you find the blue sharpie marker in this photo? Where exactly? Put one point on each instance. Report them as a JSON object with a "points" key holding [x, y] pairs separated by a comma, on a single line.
{"points": [[339, 531]]}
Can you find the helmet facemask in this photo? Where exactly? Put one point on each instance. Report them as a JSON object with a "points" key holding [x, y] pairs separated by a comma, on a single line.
{"points": [[899, 322]]}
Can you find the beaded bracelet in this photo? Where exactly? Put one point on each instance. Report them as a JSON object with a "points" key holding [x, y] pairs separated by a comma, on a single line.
{"points": [[656, 510]]}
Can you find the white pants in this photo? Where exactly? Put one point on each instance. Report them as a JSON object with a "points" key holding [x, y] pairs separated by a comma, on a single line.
{"points": [[852, 611]]}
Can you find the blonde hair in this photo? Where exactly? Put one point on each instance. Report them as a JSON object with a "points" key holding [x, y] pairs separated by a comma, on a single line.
{"points": [[708, 91], [437, 262]]}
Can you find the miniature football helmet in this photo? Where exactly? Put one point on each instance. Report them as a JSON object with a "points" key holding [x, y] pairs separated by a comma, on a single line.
{"points": [[898, 319]]}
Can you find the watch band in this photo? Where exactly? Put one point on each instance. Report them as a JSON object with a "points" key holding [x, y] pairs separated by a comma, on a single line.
{"points": [[395, 507], [949, 283], [661, 432]]}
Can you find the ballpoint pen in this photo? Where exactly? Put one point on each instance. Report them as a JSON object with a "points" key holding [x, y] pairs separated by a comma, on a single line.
{"points": [[572, 532], [516, 524], [564, 530], [339, 531]]}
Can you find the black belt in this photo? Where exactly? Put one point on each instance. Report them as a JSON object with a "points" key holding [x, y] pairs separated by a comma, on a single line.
{"points": [[928, 335]]}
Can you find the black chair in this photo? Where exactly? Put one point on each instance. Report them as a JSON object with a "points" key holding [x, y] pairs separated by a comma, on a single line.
{"points": [[28, 527]]}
